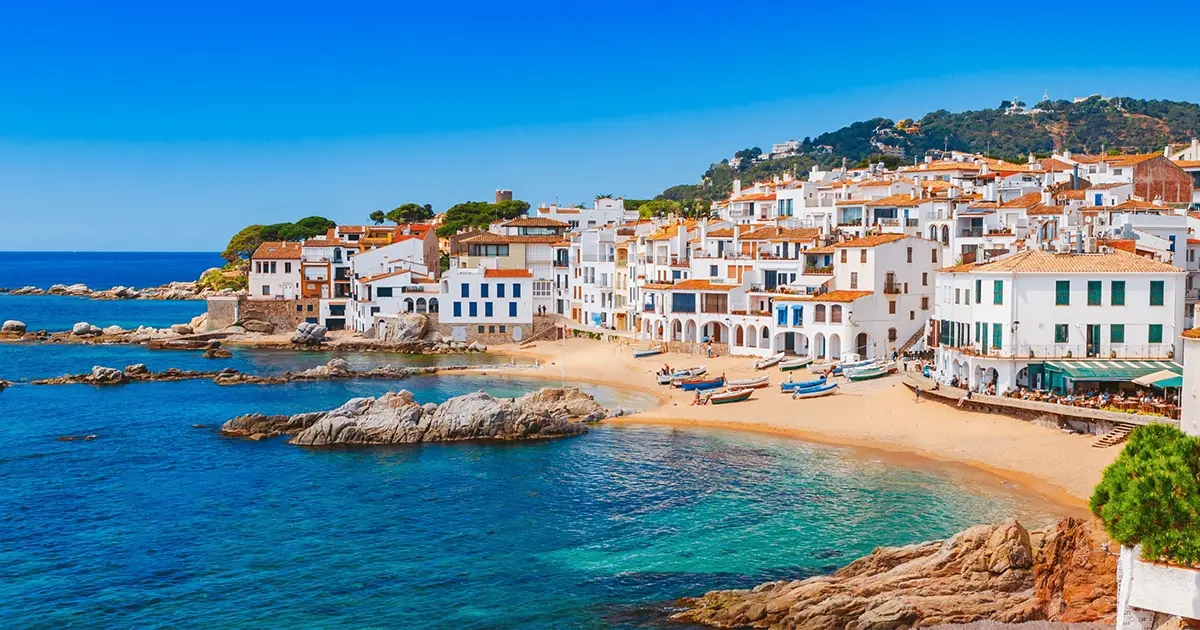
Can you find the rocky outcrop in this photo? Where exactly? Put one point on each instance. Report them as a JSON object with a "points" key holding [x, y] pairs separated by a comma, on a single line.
{"points": [[4, 384], [84, 329], [217, 353], [101, 375], [257, 326], [169, 291], [27, 291], [13, 326], [309, 334], [405, 327], [998, 573], [396, 418]]}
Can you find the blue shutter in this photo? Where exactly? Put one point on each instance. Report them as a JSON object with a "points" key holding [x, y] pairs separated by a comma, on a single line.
{"points": [[516, 290], [487, 309], [458, 309], [512, 309]]}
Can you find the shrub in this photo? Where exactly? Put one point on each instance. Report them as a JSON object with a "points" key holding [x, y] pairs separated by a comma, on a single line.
{"points": [[1150, 495]]}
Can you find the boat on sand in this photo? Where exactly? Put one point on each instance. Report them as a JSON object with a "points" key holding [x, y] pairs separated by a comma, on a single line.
{"points": [[816, 392], [768, 362]]}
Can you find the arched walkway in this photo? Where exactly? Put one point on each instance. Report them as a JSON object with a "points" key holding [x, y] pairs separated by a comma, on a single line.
{"points": [[860, 345], [422, 306], [433, 305], [751, 337], [739, 336], [689, 331], [676, 330], [835, 347], [819, 345], [408, 305]]}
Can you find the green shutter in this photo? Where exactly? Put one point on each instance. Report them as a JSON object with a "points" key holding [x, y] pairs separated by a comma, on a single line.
{"points": [[1094, 292], [1155, 333], [1061, 334], [1118, 293], [1116, 333], [1062, 293], [997, 292], [1156, 293], [978, 291], [997, 335]]}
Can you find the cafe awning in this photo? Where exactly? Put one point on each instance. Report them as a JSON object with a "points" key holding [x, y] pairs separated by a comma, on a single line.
{"points": [[1161, 379], [1114, 371]]}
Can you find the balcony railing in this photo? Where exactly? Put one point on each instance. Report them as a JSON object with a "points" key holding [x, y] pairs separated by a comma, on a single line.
{"points": [[973, 232], [1106, 351], [892, 288], [819, 271]]}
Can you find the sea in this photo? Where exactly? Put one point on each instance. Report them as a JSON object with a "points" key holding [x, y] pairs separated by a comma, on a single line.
{"points": [[160, 522]]}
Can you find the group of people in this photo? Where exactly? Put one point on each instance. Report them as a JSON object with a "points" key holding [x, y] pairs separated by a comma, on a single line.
{"points": [[1097, 399]]}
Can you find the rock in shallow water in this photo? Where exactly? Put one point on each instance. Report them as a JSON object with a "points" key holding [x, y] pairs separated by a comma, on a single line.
{"points": [[397, 419], [13, 326]]}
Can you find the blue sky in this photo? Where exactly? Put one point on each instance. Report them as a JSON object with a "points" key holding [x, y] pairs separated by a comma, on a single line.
{"points": [[150, 126]]}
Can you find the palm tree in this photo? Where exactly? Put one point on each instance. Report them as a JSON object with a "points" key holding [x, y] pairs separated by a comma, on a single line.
{"points": [[604, 196]]}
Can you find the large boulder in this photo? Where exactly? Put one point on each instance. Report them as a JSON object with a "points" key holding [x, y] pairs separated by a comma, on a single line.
{"points": [[217, 353], [84, 329], [406, 327], [181, 329], [309, 334], [113, 330], [258, 326], [199, 323], [398, 419], [1000, 573], [13, 326], [105, 375], [27, 291]]}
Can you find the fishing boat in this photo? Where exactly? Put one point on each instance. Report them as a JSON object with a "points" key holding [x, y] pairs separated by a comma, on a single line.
{"points": [[646, 351], [838, 369], [869, 372], [750, 383], [795, 364], [692, 384], [787, 387], [733, 395], [816, 392], [770, 361], [678, 375]]}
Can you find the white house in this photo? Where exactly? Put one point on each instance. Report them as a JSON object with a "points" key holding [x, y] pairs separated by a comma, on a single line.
{"points": [[275, 271], [488, 297], [1053, 321]]}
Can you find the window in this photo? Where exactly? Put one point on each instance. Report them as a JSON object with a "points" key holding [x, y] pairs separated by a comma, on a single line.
{"points": [[835, 314], [512, 310], [819, 313], [978, 291], [798, 316], [492, 328], [997, 335], [488, 250], [966, 296], [487, 309], [934, 252], [909, 254], [1094, 292], [1061, 333], [272, 266], [853, 279], [287, 267], [458, 309], [925, 304], [1117, 293], [383, 292], [891, 334], [473, 309], [299, 308], [310, 306], [516, 290], [957, 295], [502, 330], [781, 316], [1062, 293], [844, 256], [924, 279], [682, 303], [1156, 293], [266, 289], [481, 330], [1155, 333], [466, 290], [483, 290], [712, 271], [1116, 333], [912, 315], [892, 307], [862, 255], [337, 310], [997, 291]]}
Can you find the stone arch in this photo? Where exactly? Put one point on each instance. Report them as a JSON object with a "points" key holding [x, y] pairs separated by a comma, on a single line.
{"points": [[739, 336], [422, 306], [862, 344], [819, 345], [408, 305], [835, 346], [690, 331], [676, 330], [751, 337], [433, 305]]}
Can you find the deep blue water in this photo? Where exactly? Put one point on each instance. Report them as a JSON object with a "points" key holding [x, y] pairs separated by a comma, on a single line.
{"points": [[102, 270], [99, 270], [158, 524]]}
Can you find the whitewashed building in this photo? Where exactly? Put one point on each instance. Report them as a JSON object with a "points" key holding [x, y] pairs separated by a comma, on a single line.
{"points": [[487, 297], [275, 271]]}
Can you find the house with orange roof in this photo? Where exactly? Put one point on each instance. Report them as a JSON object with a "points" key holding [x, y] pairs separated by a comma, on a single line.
{"points": [[275, 271], [1057, 321], [487, 304], [1153, 175], [604, 211]]}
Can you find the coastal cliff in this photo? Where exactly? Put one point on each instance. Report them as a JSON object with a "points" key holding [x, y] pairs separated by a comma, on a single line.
{"points": [[1000, 573], [395, 418]]}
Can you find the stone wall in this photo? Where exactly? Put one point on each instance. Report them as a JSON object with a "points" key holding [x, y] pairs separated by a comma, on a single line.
{"points": [[225, 311], [468, 333]]}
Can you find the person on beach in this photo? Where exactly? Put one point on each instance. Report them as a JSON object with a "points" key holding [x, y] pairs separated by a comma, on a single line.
{"points": [[917, 390], [965, 398]]}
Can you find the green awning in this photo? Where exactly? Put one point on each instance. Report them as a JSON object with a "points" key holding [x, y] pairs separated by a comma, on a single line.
{"points": [[1111, 371], [1161, 379]]}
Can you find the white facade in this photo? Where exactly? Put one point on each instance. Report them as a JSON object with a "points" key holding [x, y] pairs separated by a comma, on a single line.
{"points": [[487, 296], [275, 279]]}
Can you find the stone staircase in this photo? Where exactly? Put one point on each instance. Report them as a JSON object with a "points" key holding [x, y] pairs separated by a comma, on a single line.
{"points": [[1119, 434], [912, 341]]}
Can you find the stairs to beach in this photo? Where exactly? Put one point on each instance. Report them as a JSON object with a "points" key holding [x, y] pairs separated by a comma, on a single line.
{"points": [[912, 341], [1119, 434]]}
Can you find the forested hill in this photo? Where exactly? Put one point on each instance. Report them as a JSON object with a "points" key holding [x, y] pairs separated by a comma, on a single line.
{"points": [[1011, 131]]}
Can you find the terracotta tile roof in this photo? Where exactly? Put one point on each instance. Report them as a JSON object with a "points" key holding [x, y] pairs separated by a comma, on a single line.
{"points": [[694, 284], [1028, 200], [872, 241], [1187, 163], [1116, 160], [828, 249], [323, 242], [1108, 186], [1053, 165], [494, 239], [1125, 244], [1194, 241], [277, 250], [754, 197], [536, 222], [1128, 205], [1078, 194], [875, 183], [1194, 333], [773, 233], [985, 205], [721, 233], [351, 229], [831, 296], [670, 231], [899, 200], [390, 274], [1039, 261], [941, 165], [507, 273], [851, 202]]}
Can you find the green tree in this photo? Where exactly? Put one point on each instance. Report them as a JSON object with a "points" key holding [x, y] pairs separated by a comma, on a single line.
{"points": [[511, 209], [1150, 495], [378, 217], [410, 213], [659, 208], [242, 244]]}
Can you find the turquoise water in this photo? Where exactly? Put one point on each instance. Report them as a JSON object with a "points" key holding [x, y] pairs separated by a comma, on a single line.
{"points": [[59, 312], [159, 524]]}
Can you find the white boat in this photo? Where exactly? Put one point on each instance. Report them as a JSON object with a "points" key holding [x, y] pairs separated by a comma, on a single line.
{"points": [[874, 370], [770, 361], [795, 364], [678, 375], [646, 351], [749, 383], [817, 392]]}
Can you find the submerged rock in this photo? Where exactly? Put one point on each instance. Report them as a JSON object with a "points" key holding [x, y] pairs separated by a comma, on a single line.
{"points": [[396, 418], [1000, 573], [217, 353]]}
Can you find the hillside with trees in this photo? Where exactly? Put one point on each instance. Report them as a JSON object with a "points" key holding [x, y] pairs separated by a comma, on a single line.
{"points": [[1011, 131]]}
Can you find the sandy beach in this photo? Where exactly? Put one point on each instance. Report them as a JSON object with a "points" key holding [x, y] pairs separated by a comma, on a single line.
{"points": [[880, 414]]}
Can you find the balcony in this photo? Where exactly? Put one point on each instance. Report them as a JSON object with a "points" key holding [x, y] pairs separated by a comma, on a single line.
{"points": [[892, 288], [563, 264], [818, 271], [973, 232], [1105, 351]]}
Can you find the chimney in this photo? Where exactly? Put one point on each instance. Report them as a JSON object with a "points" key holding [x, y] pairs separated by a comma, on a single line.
{"points": [[989, 191], [928, 159], [1195, 149], [737, 187], [1030, 159], [1047, 198], [1067, 154]]}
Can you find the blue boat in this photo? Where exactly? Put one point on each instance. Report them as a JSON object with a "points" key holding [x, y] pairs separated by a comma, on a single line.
{"points": [[816, 392], [787, 387], [702, 383]]}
